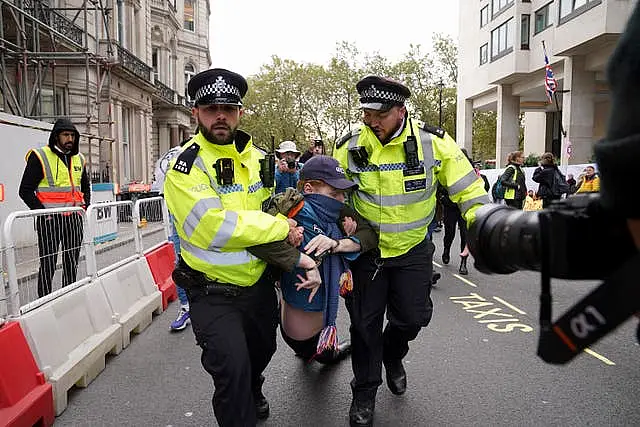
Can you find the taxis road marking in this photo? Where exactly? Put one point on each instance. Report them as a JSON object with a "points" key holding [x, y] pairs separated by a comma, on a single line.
{"points": [[599, 356], [465, 280], [511, 306], [436, 264]]}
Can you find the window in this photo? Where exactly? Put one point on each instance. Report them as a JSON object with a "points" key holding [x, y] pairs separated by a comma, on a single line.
{"points": [[502, 40], [484, 53], [542, 21], [126, 150], [189, 72], [498, 6], [525, 31], [53, 106], [484, 16], [570, 8], [121, 23], [189, 15], [154, 63]]}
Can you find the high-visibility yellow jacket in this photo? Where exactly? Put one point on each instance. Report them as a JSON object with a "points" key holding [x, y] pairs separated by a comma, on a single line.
{"points": [[62, 189], [589, 186], [216, 222], [398, 202]]}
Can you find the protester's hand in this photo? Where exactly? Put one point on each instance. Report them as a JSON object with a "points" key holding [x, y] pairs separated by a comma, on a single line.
{"points": [[311, 282], [282, 165], [295, 233], [320, 244], [349, 225]]}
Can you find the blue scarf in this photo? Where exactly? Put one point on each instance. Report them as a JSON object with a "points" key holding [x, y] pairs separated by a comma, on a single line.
{"points": [[327, 211]]}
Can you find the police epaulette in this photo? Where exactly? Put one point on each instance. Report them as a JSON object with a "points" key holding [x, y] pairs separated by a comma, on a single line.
{"points": [[347, 137], [435, 130], [185, 160]]}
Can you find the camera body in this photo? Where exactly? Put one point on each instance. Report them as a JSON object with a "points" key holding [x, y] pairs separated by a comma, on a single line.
{"points": [[581, 240], [291, 164]]}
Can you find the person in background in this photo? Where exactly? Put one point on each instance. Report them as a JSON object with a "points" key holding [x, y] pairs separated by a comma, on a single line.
{"points": [[572, 184], [544, 175], [55, 177], [162, 166], [590, 183], [288, 167], [315, 149], [513, 181]]}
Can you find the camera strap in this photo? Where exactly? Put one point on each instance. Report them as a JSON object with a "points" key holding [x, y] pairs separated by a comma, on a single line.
{"points": [[604, 309]]}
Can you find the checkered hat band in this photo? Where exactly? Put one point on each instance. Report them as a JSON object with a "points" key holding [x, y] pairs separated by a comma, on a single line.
{"points": [[373, 94], [218, 89]]}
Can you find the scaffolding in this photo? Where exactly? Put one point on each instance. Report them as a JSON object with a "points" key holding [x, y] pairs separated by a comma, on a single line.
{"points": [[36, 40]]}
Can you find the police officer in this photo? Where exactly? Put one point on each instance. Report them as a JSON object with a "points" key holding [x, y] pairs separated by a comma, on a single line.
{"points": [[395, 161], [215, 191]]}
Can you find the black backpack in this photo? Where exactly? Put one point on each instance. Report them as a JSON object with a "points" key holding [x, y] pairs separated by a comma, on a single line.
{"points": [[560, 185], [497, 190]]}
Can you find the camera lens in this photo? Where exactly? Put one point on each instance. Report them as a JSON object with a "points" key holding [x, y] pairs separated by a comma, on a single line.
{"points": [[291, 164], [504, 240]]}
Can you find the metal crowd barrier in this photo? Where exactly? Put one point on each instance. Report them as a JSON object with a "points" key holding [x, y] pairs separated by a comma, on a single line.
{"points": [[114, 237], [152, 218], [33, 240]]}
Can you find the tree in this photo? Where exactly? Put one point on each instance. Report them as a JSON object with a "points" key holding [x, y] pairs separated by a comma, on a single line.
{"points": [[484, 135]]}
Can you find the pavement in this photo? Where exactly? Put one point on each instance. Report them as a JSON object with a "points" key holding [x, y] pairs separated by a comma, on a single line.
{"points": [[474, 365]]}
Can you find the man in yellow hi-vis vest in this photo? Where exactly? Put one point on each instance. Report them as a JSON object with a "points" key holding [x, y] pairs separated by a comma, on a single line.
{"points": [[215, 189], [396, 161], [56, 177]]}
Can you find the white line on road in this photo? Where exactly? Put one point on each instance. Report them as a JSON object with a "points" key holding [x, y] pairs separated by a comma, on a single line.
{"points": [[599, 356], [465, 280], [436, 264], [511, 306]]}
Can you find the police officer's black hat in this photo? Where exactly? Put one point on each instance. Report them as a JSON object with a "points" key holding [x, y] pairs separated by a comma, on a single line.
{"points": [[217, 86], [381, 93]]}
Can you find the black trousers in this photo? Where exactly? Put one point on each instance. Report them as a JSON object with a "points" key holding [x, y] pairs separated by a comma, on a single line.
{"points": [[453, 217], [514, 203], [54, 230], [402, 287], [237, 335]]}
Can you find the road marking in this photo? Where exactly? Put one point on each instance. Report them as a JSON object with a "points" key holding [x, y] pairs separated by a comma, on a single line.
{"points": [[436, 264], [511, 306], [599, 357], [465, 280]]}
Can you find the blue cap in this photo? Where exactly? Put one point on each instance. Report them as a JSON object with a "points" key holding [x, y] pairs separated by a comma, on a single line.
{"points": [[328, 170]]}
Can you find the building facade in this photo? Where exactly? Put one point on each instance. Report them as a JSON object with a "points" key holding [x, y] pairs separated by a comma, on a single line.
{"points": [[502, 68], [116, 69]]}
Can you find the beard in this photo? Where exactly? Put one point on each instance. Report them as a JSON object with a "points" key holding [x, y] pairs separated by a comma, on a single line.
{"points": [[212, 138]]}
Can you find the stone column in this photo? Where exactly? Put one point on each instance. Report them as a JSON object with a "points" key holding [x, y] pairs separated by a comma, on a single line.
{"points": [[578, 110], [117, 168], [508, 124], [163, 139], [464, 130], [535, 132], [175, 135]]}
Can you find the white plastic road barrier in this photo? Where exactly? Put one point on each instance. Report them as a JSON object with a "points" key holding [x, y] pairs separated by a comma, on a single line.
{"points": [[70, 336], [133, 296]]}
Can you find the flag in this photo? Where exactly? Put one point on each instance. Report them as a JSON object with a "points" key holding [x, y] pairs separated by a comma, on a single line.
{"points": [[550, 83]]}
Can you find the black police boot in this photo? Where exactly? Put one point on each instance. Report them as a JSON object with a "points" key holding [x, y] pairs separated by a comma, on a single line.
{"points": [[396, 376], [329, 357], [262, 405], [445, 257], [362, 408], [463, 265]]}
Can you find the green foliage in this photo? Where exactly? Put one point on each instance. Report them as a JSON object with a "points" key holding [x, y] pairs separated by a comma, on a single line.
{"points": [[532, 160], [297, 101], [484, 135]]}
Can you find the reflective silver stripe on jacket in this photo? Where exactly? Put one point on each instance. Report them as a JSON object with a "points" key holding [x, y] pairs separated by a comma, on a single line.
{"points": [[217, 257], [225, 231], [403, 226], [47, 166], [466, 205], [199, 163], [197, 212], [462, 184]]}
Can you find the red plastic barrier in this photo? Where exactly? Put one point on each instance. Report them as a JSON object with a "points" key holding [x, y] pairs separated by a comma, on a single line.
{"points": [[26, 398], [161, 262]]}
